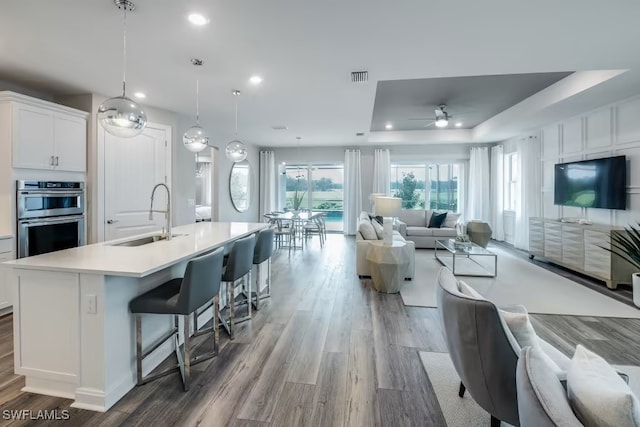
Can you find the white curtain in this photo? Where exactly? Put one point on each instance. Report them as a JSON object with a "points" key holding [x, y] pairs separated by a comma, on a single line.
{"points": [[352, 191], [528, 202], [497, 192], [479, 185], [267, 182], [381, 171]]}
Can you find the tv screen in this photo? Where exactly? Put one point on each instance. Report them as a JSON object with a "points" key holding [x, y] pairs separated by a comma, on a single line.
{"points": [[597, 183]]}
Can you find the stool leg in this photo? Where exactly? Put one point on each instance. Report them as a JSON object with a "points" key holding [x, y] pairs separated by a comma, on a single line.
{"points": [[232, 310], [257, 305], [216, 330], [247, 280], [138, 320]]}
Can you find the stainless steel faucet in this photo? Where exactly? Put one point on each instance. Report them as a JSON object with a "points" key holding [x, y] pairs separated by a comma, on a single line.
{"points": [[167, 212]]}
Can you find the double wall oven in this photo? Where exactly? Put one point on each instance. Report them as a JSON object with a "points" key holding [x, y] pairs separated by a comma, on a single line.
{"points": [[51, 216]]}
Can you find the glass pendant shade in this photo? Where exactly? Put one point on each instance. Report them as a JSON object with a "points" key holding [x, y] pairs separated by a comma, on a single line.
{"points": [[195, 139], [122, 117], [236, 151]]}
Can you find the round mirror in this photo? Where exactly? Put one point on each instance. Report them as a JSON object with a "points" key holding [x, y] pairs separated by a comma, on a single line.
{"points": [[240, 185]]}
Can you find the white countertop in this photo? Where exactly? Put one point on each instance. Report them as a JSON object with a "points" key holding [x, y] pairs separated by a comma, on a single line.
{"points": [[140, 261]]}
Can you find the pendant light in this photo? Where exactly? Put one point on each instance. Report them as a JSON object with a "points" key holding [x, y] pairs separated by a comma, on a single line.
{"points": [[236, 151], [195, 139], [121, 116]]}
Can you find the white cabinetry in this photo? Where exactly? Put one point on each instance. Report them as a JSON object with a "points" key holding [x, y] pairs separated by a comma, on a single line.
{"points": [[46, 135], [6, 254], [579, 247]]}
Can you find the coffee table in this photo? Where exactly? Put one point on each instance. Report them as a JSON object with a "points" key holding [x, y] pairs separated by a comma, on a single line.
{"points": [[469, 260]]}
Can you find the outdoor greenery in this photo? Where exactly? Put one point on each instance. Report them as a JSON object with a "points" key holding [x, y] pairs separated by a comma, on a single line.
{"points": [[407, 192], [627, 245]]}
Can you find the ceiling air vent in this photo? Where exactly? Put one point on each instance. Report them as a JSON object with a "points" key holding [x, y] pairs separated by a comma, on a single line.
{"points": [[279, 127], [359, 76], [359, 133]]}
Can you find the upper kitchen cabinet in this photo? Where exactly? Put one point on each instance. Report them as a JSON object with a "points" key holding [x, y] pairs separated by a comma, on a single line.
{"points": [[45, 135]]}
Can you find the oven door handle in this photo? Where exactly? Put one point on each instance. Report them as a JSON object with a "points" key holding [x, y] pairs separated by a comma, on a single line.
{"points": [[53, 220], [58, 193]]}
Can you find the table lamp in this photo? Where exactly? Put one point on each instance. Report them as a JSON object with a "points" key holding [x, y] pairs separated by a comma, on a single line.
{"points": [[372, 200], [389, 208]]}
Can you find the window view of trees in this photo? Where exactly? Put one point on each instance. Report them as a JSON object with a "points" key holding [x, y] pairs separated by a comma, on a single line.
{"points": [[326, 187], [409, 182]]}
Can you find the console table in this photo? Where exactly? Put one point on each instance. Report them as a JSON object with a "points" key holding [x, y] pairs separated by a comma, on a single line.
{"points": [[579, 247]]}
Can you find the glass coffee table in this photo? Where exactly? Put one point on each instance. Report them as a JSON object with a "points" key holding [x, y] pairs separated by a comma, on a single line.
{"points": [[466, 260]]}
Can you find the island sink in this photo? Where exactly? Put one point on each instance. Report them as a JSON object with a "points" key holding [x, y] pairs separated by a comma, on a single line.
{"points": [[145, 240]]}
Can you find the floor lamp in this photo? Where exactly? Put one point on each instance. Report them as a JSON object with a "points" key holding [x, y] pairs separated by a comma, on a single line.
{"points": [[389, 208], [372, 200]]}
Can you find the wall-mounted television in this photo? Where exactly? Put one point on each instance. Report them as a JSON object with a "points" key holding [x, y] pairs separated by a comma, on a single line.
{"points": [[597, 183]]}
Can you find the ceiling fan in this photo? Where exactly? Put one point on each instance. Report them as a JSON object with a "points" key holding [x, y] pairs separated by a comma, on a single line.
{"points": [[441, 118]]}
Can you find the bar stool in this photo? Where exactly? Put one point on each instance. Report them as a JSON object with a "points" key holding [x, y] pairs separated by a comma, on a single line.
{"points": [[180, 297], [261, 253], [238, 266]]}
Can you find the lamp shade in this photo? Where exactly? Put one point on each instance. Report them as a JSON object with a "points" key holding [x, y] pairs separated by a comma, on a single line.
{"points": [[388, 206]]}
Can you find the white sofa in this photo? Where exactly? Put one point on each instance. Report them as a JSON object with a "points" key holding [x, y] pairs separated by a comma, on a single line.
{"points": [[362, 248], [414, 227]]}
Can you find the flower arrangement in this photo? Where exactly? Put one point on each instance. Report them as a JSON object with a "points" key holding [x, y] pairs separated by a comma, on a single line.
{"points": [[297, 199]]}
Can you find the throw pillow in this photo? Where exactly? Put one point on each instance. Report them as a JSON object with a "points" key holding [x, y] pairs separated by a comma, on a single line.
{"points": [[522, 330], [437, 219], [377, 218], [467, 290], [451, 220], [366, 229], [597, 395], [379, 229]]}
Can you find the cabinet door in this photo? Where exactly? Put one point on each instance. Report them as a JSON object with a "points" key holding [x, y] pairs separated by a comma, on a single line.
{"points": [[70, 143], [32, 137]]}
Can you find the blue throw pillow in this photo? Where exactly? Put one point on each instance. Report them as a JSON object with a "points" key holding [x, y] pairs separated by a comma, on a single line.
{"points": [[437, 219]]}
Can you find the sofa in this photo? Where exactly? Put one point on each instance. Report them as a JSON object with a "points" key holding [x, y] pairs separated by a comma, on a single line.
{"points": [[370, 230], [414, 226]]}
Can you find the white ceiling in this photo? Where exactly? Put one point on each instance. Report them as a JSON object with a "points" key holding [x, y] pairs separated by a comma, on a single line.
{"points": [[306, 50]]}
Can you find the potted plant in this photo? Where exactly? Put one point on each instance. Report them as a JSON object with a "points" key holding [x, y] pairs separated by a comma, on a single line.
{"points": [[627, 246]]}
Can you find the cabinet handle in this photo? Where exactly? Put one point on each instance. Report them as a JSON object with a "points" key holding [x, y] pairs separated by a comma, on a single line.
{"points": [[51, 161], [57, 161], [112, 221]]}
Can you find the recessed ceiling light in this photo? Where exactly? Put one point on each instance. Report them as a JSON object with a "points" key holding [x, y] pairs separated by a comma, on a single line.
{"points": [[198, 19], [255, 80], [388, 126], [458, 124], [140, 95]]}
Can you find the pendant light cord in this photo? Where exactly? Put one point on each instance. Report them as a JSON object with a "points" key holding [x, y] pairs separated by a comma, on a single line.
{"points": [[236, 117], [198, 102], [124, 51]]}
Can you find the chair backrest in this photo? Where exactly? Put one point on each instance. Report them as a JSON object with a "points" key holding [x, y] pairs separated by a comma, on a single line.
{"points": [[542, 400], [264, 246], [240, 259], [201, 281], [479, 348]]}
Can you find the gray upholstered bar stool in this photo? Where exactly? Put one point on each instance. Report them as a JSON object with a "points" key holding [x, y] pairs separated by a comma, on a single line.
{"points": [[180, 297], [238, 266], [261, 253]]}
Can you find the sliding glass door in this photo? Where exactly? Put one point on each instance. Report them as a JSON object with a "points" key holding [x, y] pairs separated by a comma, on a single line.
{"points": [[317, 187]]}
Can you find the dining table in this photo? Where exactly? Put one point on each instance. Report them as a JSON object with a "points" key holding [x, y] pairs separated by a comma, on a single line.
{"points": [[297, 221]]}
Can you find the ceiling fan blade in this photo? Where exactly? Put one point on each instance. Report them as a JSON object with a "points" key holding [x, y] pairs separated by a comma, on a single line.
{"points": [[430, 124], [421, 118]]}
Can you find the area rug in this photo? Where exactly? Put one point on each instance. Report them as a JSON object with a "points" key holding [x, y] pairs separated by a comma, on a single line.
{"points": [[465, 412], [517, 282]]}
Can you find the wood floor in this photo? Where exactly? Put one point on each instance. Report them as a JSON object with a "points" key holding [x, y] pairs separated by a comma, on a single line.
{"points": [[325, 350]]}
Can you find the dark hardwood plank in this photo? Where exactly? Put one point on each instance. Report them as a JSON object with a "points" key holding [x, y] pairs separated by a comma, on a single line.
{"points": [[331, 391], [295, 406], [403, 408]]}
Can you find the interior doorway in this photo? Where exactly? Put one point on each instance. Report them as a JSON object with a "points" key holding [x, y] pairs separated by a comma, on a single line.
{"points": [[206, 186]]}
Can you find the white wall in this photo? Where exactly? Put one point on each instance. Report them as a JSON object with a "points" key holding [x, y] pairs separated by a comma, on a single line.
{"points": [[608, 131]]}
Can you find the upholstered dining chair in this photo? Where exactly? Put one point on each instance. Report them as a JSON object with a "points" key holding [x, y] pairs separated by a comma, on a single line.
{"points": [[483, 350]]}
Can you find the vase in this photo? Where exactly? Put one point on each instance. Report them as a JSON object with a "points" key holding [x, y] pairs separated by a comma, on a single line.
{"points": [[635, 277]]}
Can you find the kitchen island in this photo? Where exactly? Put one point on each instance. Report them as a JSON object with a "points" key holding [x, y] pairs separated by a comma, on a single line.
{"points": [[73, 333]]}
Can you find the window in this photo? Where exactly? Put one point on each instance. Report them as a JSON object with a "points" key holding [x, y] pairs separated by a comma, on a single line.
{"points": [[511, 178], [316, 187], [410, 182]]}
